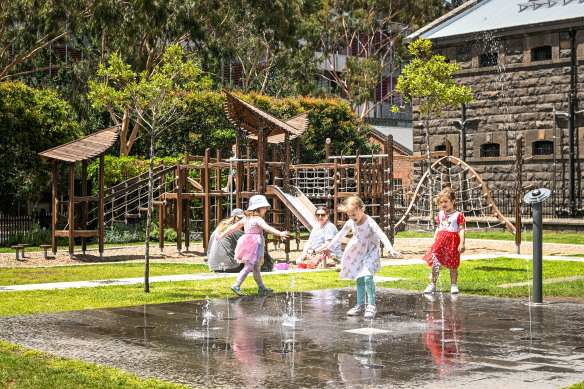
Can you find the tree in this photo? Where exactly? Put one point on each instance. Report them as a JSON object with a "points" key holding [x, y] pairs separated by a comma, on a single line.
{"points": [[157, 98], [28, 27], [262, 38], [31, 121], [141, 31], [428, 78], [368, 33]]}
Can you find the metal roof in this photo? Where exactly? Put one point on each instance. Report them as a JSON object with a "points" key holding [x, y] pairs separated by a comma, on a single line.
{"points": [[495, 15], [402, 136], [84, 148]]}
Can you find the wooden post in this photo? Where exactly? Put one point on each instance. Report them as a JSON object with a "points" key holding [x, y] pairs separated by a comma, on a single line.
{"points": [[327, 150], [238, 169], [356, 175], [85, 208], [388, 190], [286, 173], [518, 191], [219, 201], [71, 215], [206, 200], [187, 205], [101, 206], [261, 174], [448, 164], [55, 208], [336, 192], [161, 211], [179, 205]]}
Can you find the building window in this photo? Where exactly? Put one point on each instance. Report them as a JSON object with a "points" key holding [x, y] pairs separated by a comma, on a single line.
{"points": [[441, 147], [542, 53], [488, 59], [542, 147], [490, 150]]}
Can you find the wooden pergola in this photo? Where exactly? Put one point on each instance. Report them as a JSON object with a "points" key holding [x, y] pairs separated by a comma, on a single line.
{"points": [[80, 150], [265, 128]]}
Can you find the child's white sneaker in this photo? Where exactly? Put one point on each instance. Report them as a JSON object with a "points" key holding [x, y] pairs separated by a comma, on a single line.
{"points": [[431, 288], [356, 310], [370, 312], [453, 289]]}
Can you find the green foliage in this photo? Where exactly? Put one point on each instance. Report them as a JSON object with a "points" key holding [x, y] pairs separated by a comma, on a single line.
{"points": [[369, 33], [428, 77], [31, 121], [207, 126], [120, 169]]}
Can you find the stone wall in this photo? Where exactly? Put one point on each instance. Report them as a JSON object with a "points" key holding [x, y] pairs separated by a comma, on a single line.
{"points": [[517, 96]]}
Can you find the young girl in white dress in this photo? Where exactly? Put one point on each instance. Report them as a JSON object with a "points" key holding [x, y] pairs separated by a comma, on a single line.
{"points": [[250, 247], [361, 256]]}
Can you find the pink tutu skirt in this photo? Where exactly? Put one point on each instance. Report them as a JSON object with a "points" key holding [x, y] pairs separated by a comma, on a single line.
{"points": [[444, 250], [250, 248]]}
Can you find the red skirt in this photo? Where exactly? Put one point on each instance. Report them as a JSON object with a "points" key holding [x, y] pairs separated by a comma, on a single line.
{"points": [[444, 250]]}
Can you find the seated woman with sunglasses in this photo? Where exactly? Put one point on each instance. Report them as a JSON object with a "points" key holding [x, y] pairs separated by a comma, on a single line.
{"points": [[320, 235]]}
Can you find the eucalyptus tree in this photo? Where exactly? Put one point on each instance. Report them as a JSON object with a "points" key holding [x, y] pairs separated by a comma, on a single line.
{"points": [[358, 41], [29, 27], [139, 32], [263, 38], [155, 99]]}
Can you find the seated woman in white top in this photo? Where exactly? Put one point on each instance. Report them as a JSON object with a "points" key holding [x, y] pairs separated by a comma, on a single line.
{"points": [[321, 235]]}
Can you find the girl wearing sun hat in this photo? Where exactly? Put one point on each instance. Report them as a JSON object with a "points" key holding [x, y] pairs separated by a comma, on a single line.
{"points": [[250, 247]]}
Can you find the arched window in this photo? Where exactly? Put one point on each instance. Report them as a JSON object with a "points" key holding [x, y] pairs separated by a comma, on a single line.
{"points": [[541, 53], [542, 147], [490, 150]]}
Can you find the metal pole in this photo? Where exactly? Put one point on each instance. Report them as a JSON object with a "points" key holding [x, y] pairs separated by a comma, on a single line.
{"points": [[535, 198], [537, 252]]}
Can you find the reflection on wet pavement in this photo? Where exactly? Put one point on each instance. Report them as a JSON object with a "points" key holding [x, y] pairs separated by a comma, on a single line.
{"points": [[274, 342]]}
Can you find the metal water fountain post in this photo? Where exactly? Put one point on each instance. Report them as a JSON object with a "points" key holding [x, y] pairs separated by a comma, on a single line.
{"points": [[535, 198]]}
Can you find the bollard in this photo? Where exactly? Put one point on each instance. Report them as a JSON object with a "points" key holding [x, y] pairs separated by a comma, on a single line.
{"points": [[535, 198]]}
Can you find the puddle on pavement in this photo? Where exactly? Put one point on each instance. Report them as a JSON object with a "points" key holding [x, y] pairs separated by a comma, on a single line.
{"points": [[267, 341]]}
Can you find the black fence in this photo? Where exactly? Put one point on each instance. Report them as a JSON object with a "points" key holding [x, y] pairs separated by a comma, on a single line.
{"points": [[555, 207], [11, 225]]}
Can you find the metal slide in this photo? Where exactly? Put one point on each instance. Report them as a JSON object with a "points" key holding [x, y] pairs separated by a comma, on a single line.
{"points": [[298, 203]]}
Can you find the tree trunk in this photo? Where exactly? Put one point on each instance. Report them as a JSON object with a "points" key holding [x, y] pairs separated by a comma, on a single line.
{"points": [[149, 215]]}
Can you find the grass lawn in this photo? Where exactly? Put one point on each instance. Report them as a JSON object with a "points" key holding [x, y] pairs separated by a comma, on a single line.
{"points": [[40, 275], [23, 368]]}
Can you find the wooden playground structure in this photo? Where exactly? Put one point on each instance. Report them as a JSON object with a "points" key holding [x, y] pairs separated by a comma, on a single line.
{"points": [[191, 196]]}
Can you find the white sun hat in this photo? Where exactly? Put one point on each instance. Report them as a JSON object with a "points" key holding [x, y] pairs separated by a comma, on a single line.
{"points": [[257, 201]]}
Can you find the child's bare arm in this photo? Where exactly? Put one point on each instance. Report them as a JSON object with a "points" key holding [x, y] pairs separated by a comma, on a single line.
{"points": [[462, 233], [272, 230]]}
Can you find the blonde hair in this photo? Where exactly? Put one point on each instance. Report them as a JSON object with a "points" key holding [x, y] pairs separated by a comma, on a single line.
{"points": [[353, 202], [449, 193], [225, 223], [255, 212]]}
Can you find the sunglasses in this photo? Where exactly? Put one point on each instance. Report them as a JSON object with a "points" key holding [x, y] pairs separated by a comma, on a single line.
{"points": [[320, 214]]}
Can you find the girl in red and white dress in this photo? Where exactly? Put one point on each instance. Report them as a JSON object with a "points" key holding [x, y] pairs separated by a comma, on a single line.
{"points": [[448, 240]]}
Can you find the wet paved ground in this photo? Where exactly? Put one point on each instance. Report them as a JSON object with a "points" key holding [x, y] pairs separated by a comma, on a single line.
{"points": [[305, 340]]}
